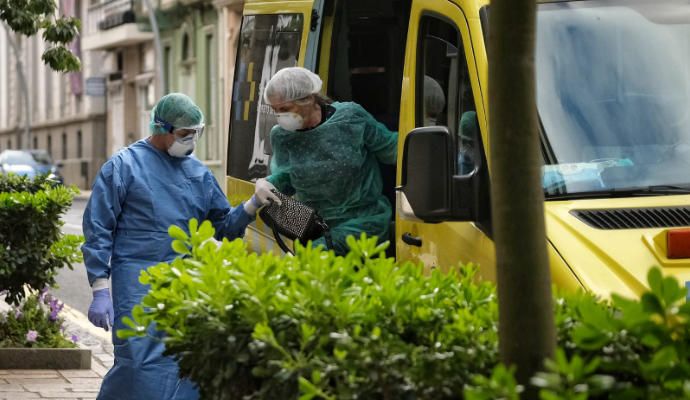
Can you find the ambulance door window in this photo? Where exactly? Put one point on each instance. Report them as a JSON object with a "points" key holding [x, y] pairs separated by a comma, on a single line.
{"points": [[267, 44], [444, 95]]}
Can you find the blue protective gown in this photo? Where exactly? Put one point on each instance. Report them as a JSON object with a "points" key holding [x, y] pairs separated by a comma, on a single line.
{"points": [[334, 169], [137, 195]]}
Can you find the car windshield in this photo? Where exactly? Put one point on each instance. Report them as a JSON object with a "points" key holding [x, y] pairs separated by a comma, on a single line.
{"points": [[16, 157], [41, 157], [613, 93]]}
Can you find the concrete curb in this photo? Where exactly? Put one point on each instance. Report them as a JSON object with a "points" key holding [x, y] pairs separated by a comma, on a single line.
{"points": [[83, 195], [45, 358]]}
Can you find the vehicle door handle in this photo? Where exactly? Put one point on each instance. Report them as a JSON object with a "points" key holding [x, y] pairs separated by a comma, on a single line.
{"points": [[411, 240]]}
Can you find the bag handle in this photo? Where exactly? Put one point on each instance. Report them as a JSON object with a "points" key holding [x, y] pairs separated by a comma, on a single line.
{"points": [[286, 249]]}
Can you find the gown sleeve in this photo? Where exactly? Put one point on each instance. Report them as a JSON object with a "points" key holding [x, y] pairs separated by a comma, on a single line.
{"points": [[229, 222], [280, 166], [100, 220], [382, 142]]}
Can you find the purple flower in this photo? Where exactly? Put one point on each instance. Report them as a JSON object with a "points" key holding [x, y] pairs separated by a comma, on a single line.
{"points": [[17, 314], [55, 308], [31, 336], [74, 338]]}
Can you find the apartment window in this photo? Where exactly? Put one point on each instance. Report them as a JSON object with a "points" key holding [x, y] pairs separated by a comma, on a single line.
{"points": [[79, 145], [211, 92], [35, 142], [50, 145], [210, 79], [64, 145], [9, 144], [185, 47], [167, 66], [48, 96], [120, 61]]}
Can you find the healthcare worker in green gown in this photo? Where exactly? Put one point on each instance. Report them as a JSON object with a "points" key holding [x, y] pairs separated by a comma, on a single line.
{"points": [[141, 191], [327, 155]]}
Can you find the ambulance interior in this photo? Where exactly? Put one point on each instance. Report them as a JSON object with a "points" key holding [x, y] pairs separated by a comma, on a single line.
{"points": [[364, 60]]}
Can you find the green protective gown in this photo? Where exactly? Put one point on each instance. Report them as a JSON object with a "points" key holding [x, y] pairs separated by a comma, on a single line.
{"points": [[334, 169]]}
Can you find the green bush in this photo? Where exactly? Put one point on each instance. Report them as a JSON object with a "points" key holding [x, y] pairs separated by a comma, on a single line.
{"points": [[316, 325], [35, 322], [32, 246], [622, 349]]}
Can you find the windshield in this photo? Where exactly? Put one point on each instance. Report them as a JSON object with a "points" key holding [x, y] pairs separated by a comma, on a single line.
{"points": [[16, 157], [41, 157], [613, 93]]}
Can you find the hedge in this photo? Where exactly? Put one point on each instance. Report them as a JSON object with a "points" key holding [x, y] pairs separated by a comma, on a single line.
{"points": [[318, 326]]}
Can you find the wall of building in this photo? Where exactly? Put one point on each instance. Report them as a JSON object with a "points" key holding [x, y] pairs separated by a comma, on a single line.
{"points": [[190, 48], [64, 119], [199, 42]]}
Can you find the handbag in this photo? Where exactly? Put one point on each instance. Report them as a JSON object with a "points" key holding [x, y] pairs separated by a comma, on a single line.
{"points": [[294, 220]]}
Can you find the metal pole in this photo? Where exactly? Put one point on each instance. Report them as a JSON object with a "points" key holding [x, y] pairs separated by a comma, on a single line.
{"points": [[24, 86], [160, 88]]}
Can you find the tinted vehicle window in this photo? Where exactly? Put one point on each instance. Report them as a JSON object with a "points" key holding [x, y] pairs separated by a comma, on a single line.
{"points": [[41, 157], [444, 92], [267, 44]]}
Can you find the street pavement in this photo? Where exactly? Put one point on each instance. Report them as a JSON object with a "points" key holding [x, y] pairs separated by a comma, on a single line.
{"points": [[73, 286], [75, 292]]}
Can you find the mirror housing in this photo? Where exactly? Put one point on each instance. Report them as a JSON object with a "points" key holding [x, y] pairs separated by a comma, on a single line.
{"points": [[429, 182]]}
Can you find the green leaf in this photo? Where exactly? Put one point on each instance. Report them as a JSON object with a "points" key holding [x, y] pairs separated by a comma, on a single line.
{"points": [[180, 247], [193, 225], [176, 232], [654, 278]]}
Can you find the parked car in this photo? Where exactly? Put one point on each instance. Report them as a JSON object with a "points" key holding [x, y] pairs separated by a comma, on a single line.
{"points": [[29, 163]]}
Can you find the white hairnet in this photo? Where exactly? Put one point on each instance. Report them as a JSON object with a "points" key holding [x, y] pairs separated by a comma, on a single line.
{"points": [[290, 84]]}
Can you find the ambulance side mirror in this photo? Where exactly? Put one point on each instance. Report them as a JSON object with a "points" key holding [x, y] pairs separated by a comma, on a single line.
{"points": [[430, 186]]}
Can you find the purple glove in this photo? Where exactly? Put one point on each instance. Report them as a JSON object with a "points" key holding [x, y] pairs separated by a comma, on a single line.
{"points": [[101, 309]]}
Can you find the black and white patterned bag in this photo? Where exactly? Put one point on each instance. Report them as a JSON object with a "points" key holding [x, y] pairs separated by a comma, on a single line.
{"points": [[294, 220]]}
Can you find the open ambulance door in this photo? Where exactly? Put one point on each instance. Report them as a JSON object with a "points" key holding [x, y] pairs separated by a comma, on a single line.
{"points": [[442, 203], [273, 35]]}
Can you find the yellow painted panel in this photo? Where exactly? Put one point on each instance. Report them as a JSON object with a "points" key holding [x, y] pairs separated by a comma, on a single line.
{"points": [[250, 71], [326, 39]]}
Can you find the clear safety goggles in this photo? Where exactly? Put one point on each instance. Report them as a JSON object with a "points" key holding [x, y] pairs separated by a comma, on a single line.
{"points": [[185, 132]]}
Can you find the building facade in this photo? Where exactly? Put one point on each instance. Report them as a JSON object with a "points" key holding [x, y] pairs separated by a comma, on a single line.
{"points": [[84, 118], [64, 117]]}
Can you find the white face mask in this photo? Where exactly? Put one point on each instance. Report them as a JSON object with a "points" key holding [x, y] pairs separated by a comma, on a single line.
{"points": [[183, 147], [290, 121]]}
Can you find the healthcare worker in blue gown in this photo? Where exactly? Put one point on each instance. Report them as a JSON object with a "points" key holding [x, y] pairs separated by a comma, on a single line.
{"points": [[138, 194]]}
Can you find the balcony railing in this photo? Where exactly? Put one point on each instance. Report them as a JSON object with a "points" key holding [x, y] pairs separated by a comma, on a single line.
{"points": [[104, 15]]}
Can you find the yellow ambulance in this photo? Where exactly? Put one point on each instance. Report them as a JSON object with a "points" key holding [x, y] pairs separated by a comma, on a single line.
{"points": [[613, 88]]}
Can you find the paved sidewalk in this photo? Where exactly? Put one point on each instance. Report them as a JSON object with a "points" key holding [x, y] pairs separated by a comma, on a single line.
{"points": [[64, 384]]}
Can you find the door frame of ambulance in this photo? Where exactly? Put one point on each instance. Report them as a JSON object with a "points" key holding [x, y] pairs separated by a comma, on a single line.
{"points": [[240, 188], [443, 244]]}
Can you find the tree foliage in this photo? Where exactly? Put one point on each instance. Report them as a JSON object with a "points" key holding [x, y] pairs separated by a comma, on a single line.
{"points": [[27, 17]]}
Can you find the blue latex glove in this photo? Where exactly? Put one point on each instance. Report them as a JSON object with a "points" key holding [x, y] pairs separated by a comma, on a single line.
{"points": [[101, 309]]}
